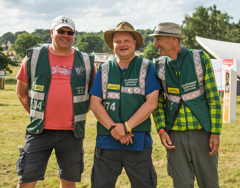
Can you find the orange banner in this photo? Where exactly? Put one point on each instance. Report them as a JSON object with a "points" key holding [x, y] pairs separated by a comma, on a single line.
{"points": [[226, 107]]}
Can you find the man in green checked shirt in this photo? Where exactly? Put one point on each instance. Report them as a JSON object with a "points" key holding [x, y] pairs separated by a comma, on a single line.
{"points": [[188, 117]]}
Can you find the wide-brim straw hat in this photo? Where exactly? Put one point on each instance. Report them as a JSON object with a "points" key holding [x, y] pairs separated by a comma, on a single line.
{"points": [[168, 29], [123, 27]]}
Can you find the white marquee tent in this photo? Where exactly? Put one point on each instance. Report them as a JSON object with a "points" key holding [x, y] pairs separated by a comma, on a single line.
{"points": [[220, 49]]}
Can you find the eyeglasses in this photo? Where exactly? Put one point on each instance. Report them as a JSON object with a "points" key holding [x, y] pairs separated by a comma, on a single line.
{"points": [[60, 31]]}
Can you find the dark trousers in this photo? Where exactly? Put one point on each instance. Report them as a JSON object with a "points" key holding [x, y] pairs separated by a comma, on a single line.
{"points": [[108, 166], [191, 159]]}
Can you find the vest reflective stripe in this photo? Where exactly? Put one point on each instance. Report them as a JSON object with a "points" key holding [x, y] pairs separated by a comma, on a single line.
{"points": [[80, 98], [199, 72], [104, 77], [198, 66], [173, 98], [113, 95], [133, 90], [81, 117], [194, 94], [34, 59], [142, 76], [88, 69], [161, 73], [36, 114], [36, 95], [31, 93], [129, 90]]}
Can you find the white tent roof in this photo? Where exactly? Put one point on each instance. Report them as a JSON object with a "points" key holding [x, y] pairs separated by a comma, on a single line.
{"points": [[220, 49]]}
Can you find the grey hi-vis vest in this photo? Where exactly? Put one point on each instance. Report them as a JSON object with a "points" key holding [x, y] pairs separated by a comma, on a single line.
{"points": [[39, 78], [188, 88], [124, 94]]}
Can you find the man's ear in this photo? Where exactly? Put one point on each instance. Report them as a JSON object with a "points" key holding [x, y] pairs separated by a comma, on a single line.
{"points": [[51, 33]]}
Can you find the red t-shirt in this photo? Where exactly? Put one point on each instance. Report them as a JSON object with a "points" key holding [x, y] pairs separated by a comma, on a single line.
{"points": [[59, 108]]}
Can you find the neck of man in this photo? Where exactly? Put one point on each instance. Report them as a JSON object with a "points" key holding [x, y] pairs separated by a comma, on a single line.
{"points": [[176, 50], [124, 63], [60, 52]]}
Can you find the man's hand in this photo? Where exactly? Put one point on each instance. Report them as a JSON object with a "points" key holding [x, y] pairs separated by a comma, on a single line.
{"points": [[166, 141], [214, 143], [126, 139], [118, 131]]}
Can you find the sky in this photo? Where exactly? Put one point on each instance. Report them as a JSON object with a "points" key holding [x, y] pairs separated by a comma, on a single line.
{"points": [[102, 15]]}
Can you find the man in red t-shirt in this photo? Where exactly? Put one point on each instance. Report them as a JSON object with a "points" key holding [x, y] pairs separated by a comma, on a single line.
{"points": [[53, 85]]}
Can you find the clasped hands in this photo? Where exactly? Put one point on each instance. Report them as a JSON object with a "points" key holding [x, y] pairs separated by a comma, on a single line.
{"points": [[118, 133]]}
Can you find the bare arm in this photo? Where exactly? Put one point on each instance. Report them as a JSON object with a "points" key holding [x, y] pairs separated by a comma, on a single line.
{"points": [[100, 112], [22, 93], [145, 110]]}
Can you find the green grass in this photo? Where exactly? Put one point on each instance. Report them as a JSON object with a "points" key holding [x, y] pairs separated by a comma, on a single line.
{"points": [[13, 121]]}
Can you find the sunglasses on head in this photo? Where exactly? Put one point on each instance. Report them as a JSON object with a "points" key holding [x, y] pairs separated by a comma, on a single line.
{"points": [[60, 31]]}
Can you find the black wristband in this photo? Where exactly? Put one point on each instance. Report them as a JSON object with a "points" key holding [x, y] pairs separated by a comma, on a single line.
{"points": [[125, 128], [111, 128]]}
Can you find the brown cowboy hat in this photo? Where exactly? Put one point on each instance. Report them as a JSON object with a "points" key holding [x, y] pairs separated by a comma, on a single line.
{"points": [[123, 27]]}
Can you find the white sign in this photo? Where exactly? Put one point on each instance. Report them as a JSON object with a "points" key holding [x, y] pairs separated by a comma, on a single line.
{"points": [[219, 66], [217, 69]]}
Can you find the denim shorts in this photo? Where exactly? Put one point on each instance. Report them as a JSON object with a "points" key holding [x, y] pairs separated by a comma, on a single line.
{"points": [[34, 156]]}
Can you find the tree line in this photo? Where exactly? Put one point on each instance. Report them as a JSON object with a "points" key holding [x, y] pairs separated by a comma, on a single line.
{"points": [[204, 22]]}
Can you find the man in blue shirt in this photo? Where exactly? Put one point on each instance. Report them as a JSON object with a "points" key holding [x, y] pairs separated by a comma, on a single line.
{"points": [[123, 96]]}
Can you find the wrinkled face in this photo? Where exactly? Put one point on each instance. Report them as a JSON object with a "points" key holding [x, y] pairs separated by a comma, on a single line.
{"points": [[62, 41], [164, 44], [124, 45]]}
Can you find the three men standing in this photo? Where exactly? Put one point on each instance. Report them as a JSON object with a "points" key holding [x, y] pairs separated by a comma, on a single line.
{"points": [[124, 94]]}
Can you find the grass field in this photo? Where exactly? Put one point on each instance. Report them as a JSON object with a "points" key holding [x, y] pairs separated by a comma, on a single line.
{"points": [[13, 121]]}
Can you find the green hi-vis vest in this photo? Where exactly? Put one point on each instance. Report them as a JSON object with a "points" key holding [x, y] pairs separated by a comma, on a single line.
{"points": [[188, 88], [39, 78], [124, 94]]}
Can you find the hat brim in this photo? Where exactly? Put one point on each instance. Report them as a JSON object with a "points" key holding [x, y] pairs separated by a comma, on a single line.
{"points": [[63, 25], [167, 35], [108, 37]]}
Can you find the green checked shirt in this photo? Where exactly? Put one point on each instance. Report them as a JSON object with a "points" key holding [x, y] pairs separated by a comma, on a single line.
{"points": [[185, 119]]}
